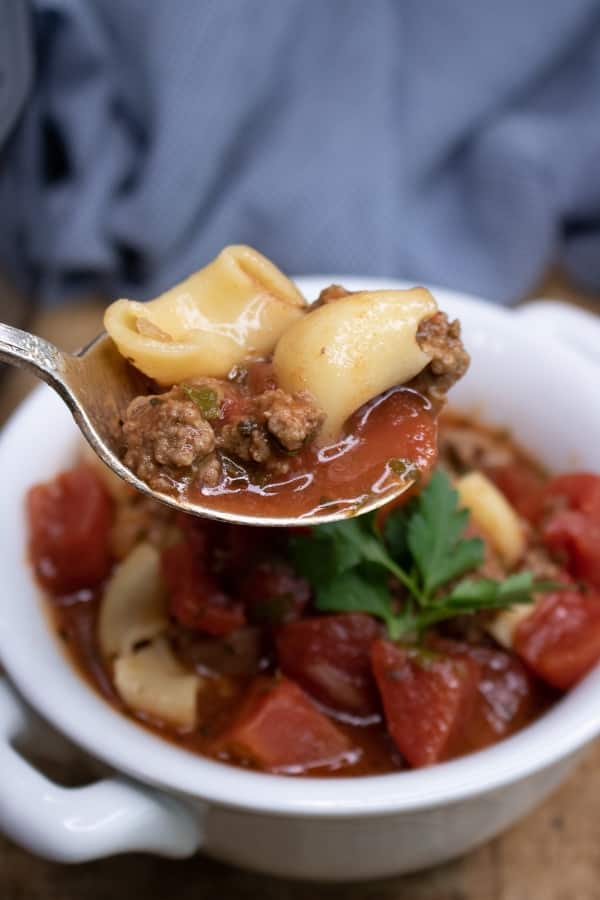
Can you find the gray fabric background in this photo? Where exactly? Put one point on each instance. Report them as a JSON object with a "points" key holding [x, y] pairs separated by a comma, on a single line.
{"points": [[454, 142]]}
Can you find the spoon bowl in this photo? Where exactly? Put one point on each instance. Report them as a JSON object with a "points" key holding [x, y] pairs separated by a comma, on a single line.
{"points": [[97, 384]]}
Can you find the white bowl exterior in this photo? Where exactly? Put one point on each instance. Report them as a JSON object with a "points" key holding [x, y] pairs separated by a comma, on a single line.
{"points": [[338, 828], [350, 849]]}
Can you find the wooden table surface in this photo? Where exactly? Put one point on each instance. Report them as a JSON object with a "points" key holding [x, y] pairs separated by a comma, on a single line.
{"points": [[552, 854]]}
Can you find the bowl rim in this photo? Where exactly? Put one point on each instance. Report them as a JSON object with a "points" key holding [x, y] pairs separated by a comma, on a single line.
{"points": [[106, 734]]}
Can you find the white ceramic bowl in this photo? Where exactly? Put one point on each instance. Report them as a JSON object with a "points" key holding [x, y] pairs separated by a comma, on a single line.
{"points": [[164, 800]]}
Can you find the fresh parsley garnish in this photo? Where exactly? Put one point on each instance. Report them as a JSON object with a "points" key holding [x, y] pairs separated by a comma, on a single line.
{"points": [[435, 537], [205, 399], [407, 574]]}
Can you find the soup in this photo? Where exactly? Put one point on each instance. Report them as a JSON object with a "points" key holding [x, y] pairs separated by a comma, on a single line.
{"points": [[433, 629]]}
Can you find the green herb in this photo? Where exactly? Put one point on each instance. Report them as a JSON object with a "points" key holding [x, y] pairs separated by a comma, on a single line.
{"points": [[400, 466], [406, 576], [205, 399], [435, 536], [338, 546], [472, 595], [355, 592]]}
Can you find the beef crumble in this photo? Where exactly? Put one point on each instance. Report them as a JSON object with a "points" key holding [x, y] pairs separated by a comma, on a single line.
{"points": [[331, 294], [464, 448], [271, 425], [291, 419], [176, 435], [440, 339], [165, 434]]}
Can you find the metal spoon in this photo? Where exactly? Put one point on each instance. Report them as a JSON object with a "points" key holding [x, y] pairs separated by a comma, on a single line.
{"points": [[97, 385]]}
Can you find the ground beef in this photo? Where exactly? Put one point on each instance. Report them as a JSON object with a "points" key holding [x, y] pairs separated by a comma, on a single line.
{"points": [[538, 561], [440, 339], [246, 439], [209, 471], [291, 418], [330, 294], [165, 434], [274, 423], [463, 448], [171, 436]]}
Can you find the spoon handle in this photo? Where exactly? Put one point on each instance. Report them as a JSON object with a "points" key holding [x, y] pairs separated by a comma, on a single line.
{"points": [[27, 351]]}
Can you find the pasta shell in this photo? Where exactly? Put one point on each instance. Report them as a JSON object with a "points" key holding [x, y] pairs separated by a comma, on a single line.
{"points": [[348, 351], [154, 683], [134, 604], [237, 305]]}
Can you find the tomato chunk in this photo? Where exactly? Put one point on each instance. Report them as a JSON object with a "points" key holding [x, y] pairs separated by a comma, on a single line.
{"points": [[329, 656], [427, 698], [580, 490], [280, 729], [560, 640], [507, 692], [574, 538], [272, 593], [196, 600], [571, 530], [69, 523], [522, 486]]}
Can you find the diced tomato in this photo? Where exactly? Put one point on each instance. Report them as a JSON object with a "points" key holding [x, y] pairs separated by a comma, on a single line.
{"points": [[560, 640], [427, 699], [241, 547], [574, 538], [571, 530], [580, 490], [507, 692], [230, 550], [196, 600], [522, 486], [329, 656], [280, 729], [69, 524], [261, 377], [272, 593], [198, 534]]}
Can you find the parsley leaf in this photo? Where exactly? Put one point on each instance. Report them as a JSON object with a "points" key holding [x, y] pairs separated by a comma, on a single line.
{"points": [[472, 595], [356, 592], [352, 566], [395, 532], [205, 399], [434, 536], [327, 552], [337, 546]]}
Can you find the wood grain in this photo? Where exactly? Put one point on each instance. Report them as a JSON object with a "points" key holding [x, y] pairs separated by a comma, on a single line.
{"points": [[553, 854]]}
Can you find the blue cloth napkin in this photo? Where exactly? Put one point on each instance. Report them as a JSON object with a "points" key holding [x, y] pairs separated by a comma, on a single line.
{"points": [[451, 142]]}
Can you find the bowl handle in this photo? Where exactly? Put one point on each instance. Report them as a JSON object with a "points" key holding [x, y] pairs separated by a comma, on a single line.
{"points": [[112, 815], [570, 324]]}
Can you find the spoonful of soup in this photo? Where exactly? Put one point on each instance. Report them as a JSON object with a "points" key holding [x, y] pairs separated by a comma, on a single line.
{"points": [[230, 397]]}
